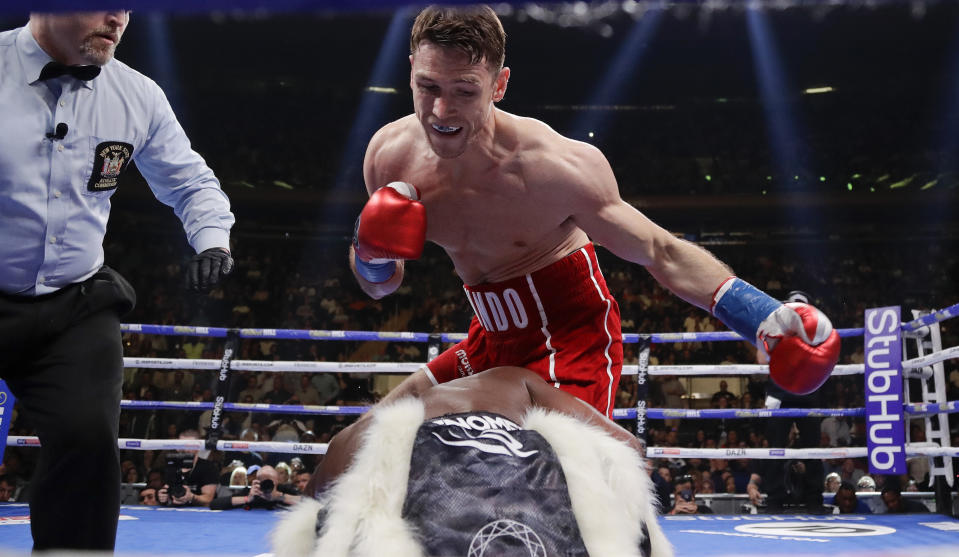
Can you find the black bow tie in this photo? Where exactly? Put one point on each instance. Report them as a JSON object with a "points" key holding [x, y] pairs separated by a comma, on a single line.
{"points": [[56, 69]]}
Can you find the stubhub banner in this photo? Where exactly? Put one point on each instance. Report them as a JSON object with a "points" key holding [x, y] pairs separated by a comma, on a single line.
{"points": [[6, 414], [884, 417]]}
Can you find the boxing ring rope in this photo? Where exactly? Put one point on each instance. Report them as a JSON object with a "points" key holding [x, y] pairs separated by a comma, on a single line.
{"points": [[194, 445], [301, 334], [913, 449], [410, 367], [395, 336], [918, 410]]}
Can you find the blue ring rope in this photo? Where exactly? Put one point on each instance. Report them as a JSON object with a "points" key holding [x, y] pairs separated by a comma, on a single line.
{"points": [[618, 413], [304, 334]]}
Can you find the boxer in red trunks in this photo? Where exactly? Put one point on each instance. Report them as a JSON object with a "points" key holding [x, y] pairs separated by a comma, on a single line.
{"points": [[559, 321], [513, 202]]}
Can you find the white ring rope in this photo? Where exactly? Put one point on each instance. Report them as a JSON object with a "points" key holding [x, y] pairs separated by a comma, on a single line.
{"points": [[410, 367], [194, 445], [912, 449]]}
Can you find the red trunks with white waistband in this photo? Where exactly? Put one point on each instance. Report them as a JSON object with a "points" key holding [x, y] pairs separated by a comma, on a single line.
{"points": [[560, 322]]}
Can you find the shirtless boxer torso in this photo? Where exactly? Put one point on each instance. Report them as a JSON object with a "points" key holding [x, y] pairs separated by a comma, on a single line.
{"points": [[507, 198]]}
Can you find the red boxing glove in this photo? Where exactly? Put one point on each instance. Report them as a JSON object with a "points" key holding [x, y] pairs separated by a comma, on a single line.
{"points": [[391, 226], [801, 361]]}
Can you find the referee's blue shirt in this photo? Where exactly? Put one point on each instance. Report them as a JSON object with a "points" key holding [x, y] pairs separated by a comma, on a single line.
{"points": [[55, 193]]}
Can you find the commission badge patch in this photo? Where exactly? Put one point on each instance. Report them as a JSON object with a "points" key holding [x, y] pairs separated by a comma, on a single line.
{"points": [[111, 158]]}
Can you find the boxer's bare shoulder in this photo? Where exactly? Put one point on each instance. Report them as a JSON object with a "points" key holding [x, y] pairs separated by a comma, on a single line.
{"points": [[390, 150], [565, 166]]}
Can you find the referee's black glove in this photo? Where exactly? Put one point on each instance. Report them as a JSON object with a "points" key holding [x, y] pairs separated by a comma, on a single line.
{"points": [[207, 268]]}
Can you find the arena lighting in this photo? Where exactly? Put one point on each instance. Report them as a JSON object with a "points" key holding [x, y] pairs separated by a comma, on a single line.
{"points": [[391, 63], [162, 63], [774, 92], [902, 183], [783, 129], [387, 90], [619, 75], [818, 90]]}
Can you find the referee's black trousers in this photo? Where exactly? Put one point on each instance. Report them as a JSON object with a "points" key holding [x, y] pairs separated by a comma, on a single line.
{"points": [[62, 358]]}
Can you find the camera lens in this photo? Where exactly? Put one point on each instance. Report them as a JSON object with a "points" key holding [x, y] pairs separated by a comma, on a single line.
{"points": [[178, 491], [266, 486]]}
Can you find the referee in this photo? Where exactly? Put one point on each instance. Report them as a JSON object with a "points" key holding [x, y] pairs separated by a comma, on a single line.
{"points": [[74, 118]]}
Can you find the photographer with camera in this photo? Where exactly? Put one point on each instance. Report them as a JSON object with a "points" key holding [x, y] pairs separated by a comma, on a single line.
{"points": [[189, 480], [265, 493], [684, 498]]}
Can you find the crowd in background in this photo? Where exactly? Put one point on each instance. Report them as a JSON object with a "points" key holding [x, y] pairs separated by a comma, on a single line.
{"points": [[277, 285]]}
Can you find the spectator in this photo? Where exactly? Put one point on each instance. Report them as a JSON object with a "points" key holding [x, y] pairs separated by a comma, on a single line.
{"points": [[189, 479], [8, 488], [148, 496], [662, 478], [684, 498], [238, 477], [251, 392], [723, 392], [131, 475], [832, 482], [866, 484], [849, 472], [896, 504], [155, 479], [178, 390], [227, 472], [837, 431], [306, 394], [279, 394], [283, 474], [301, 479], [264, 492], [847, 501], [707, 486]]}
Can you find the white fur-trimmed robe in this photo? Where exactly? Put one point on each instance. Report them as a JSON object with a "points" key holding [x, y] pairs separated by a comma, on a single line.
{"points": [[610, 490]]}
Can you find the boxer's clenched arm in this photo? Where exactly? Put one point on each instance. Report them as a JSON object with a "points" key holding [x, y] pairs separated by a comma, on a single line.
{"points": [[689, 271], [375, 152]]}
